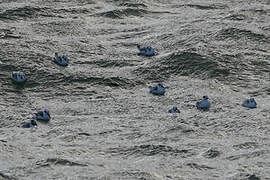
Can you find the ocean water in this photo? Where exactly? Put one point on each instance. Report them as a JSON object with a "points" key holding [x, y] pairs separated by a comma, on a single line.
{"points": [[105, 124]]}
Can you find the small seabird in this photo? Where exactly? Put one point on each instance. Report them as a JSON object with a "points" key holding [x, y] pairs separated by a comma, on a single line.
{"points": [[43, 115], [60, 60], [204, 104], [146, 51], [158, 89], [250, 103], [18, 77], [174, 110], [30, 124]]}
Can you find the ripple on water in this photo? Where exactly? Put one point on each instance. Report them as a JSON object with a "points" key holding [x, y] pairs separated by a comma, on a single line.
{"points": [[185, 64], [150, 150], [123, 13]]}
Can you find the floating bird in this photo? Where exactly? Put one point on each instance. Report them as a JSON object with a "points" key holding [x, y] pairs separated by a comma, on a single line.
{"points": [[250, 103], [174, 110], [146, 51], [30, 124], [18, 77], [204, 104], [43, 115], [60, 60], [158, 89]]}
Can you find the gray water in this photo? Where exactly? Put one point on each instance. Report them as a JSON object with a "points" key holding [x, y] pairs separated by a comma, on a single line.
{"points": [[105, 125]]}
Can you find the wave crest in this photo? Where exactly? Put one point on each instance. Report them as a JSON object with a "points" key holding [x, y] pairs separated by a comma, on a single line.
{"points": [[185, 64], [237, 34], [121, 13], [149, 150], [25, 12]]}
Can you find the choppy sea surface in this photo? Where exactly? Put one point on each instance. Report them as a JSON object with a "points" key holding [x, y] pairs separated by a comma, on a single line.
{"points": [[105, 124]]}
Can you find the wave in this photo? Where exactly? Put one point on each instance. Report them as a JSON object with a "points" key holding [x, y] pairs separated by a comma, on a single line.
{"points": [[206, 7], [127, 4], [121, 13], [8, 67], [71, 11], [249, 14], [58, 161], [243, 175], [149, 150], [85, 2], [202, 6], [106, 81], [6, 177], [41, 75], [184, 64], [247, 155], [246, 145], [198, 166], [107, 63], [58, 28], [7, 34], [55, 79], [180, 128], [237, 34], [211, 153], [135, 174], [25, 12], [236, 17]]}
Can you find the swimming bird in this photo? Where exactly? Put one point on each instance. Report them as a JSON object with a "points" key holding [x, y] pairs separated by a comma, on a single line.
{"points": [[204, 104], [250, 103], [30, 124], [146, 51], [174, 110], [158, 89], [60, 60], [18, 77], [43, 115]]}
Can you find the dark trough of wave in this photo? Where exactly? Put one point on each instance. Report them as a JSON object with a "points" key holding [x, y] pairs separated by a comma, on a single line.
{"points": [[185, 64], [58, 161], [107, 63], [122, 13], [235, 33], [106, 81], [198, 166], [8, 34], [127, 4], [135, 174], [25, 12], [150, 150], [205, 7], [31, 12]]}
